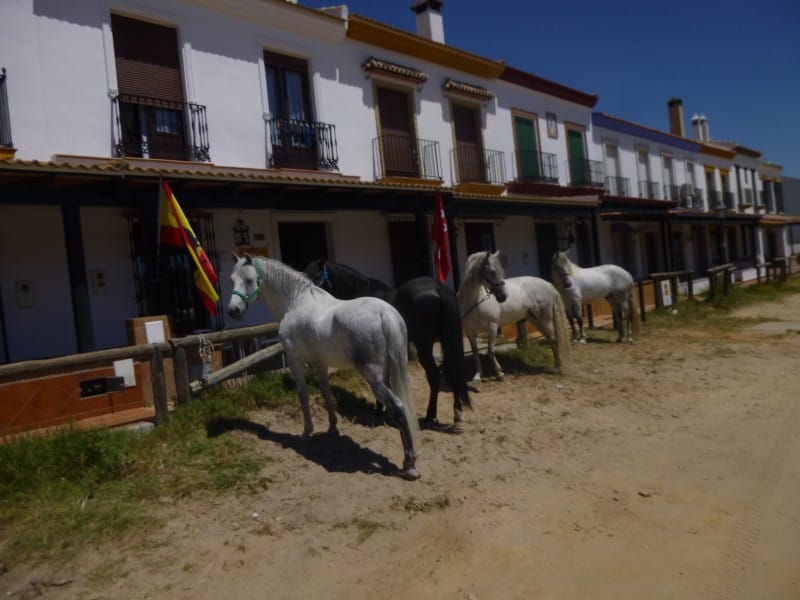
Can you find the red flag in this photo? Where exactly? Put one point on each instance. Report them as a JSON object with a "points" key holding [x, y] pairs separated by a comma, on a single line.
{"points": [[175, 230], [440, 241]]}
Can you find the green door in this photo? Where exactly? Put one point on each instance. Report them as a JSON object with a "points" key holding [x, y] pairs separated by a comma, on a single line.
{"points": [[527, 152], [577, 157]]}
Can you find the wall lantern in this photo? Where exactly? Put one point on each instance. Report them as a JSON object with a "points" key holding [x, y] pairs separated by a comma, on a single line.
{"points": [[241, 233]]}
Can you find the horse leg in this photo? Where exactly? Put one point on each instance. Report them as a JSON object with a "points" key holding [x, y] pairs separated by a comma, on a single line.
{"points": [[490, 351], [299, 374], [425, 357], [397, 416], [476, 357], [616, 309], [581, 331], [325, 388]]}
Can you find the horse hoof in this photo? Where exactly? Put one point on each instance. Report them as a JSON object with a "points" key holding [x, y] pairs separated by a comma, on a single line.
{"points": [[582, 341], [409, 474]]}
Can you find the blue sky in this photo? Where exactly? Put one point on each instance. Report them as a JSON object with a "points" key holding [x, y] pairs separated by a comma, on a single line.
{"points": [[736, 61]]}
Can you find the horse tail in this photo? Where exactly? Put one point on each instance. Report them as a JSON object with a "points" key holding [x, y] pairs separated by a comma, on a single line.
{"points": [[634, 318], [561, 341], [452, 342], [394, 330]]}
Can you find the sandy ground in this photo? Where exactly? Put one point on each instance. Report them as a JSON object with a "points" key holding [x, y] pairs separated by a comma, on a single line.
{"points": [[663, 469]]}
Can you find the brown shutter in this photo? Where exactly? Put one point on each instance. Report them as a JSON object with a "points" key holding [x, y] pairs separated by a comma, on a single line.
{"points": [[147, 59]]}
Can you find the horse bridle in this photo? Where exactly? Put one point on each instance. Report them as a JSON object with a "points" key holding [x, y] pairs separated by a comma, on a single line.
{"points": [[248, 298], [490, 290]]}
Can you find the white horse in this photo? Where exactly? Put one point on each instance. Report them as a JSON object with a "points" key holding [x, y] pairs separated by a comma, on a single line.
{"points": [[581, 286], [366, 333], [483, 309]]}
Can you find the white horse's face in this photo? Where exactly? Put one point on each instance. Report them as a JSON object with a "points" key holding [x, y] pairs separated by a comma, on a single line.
{"points": [[245, 286], [494, 275], [561, 271]]}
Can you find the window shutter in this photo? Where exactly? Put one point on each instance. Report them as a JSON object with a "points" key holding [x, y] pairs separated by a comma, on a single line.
{"points": [[147, 59]]}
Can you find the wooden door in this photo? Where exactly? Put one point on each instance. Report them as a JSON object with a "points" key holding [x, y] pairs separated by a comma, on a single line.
{"points": [[527, 149], [470, 163], [398, 143]]}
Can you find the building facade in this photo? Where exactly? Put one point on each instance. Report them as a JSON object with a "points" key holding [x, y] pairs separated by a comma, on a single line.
{"points": [[300, 133]]}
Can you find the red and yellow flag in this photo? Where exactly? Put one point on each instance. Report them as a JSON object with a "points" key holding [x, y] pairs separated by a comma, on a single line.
{"points": [[441, 241], [174, 230]]}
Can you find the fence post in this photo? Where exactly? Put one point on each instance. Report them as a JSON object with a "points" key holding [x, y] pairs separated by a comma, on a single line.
{"points": [[690, 285], [726, 284], [642, 311], [181, 370], [159, 388]]}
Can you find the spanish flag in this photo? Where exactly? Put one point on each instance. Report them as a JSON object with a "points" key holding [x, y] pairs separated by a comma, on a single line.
{"points": [[174, 230]]}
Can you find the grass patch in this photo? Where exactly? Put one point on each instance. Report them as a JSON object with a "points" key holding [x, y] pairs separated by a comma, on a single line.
{"points": [[66, 491]]}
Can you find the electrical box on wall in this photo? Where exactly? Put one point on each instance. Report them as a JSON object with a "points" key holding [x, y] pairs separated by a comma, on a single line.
{"points": [[25, 298], [99, 281]]}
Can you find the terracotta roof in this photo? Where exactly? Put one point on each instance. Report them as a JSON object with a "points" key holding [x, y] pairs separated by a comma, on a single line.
{"points": [[384, 66], [467, 89], [551, 88]]}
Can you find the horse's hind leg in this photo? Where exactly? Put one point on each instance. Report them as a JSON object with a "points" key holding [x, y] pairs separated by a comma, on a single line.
{"points": [[425, 356], [397, 416], [616, 309], [325, 388]]}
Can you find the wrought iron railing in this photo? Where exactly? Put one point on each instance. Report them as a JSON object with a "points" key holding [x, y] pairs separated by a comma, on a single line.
{"points": [[158, 128], [697, 200], [540, 167], [470, 163], [617, 186], [397, 155], [672, 192], [649, 189], [748, 196], [586, 172], [691, 197], [297, 144], [5, 116]]}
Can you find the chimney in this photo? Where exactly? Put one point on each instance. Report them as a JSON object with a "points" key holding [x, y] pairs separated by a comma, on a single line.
{"points": [[429, 19], [676, 126], [700, 128]]}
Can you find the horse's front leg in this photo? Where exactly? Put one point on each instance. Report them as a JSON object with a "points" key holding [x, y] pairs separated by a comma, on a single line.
{"points": [[476, 357], [325, 388], [299, 374], [498, 371], [581, 331]]}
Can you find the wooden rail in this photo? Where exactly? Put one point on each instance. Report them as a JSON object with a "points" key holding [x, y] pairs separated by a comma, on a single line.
{"points": [[674, 278], [714, 274]]}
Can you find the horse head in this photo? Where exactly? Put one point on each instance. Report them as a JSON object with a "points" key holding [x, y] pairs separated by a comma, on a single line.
{"points": [[493, 274], [317, 271], [561, 270], [246, 283]]}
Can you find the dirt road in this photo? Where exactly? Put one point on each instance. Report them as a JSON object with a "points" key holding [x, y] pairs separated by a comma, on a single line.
{"points": [[663, 469]]}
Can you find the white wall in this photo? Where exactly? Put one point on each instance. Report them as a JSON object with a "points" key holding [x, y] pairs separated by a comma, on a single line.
{"points": [[32, 249]]}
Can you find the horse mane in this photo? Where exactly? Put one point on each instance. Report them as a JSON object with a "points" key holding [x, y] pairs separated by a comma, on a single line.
{"points": [[473, 269], [284, 279], [358, 275]]}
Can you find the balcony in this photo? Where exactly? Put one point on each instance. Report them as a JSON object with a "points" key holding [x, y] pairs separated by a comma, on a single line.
{"points": [[537, 167], [617, 186], [587, 173], [714, 199], [297, 144], [672, 192], [691, 198], [397, 155], [728, 200], [649, 189], [470, 163], [157, 128], [5, 117]]}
